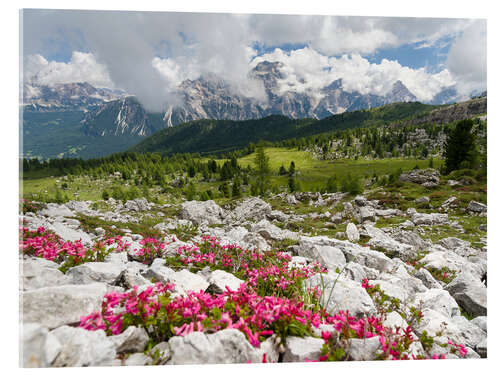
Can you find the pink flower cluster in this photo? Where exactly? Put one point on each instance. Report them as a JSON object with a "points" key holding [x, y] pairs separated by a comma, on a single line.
{"points": [[154, 309], [266, 271], [151, 249], [44, 244]]}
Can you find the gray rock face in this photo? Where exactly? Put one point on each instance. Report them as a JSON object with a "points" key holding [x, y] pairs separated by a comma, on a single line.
{"points": [[379, 239], [362, 349], [438, 300], [80, 347], [471, 334], [421, 176], [139, 204], [38, 273], [69, 234], [422, 200], [222, 279], [184, 280], [225, 346], [429, 219], [441, 259], [132, 340], [92, 272], [59, 305], [271, 232], [56, 210], [476, 207], [470, 293], [300, 349], [352, 232], [428, 280], [138, 359], [411, 238], [37, 347], [290, 199], [329, 256], [342, 294], [254, 209], [482, 348], [354, 252], [207, 212], [367, 213], [481, 322]]}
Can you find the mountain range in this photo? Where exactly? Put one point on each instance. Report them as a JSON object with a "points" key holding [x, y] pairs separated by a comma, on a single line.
{"points": [[109, 113]]}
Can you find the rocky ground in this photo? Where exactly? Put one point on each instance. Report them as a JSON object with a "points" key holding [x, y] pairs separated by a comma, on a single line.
{"points": [[377, 263]]}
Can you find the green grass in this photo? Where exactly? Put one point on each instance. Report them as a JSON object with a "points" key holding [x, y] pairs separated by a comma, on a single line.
{"points": [[312, 173]]}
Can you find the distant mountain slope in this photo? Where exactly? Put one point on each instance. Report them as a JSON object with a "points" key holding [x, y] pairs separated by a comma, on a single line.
{"points": [[65, 97], [453, 112], [221, 135], [123, 117]]}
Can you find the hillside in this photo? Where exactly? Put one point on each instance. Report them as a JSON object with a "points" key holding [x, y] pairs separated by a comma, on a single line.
{"points": [[207, 136]]}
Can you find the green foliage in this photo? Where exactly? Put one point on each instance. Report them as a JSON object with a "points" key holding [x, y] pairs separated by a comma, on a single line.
{"points": [[352, 185], [461, 149], [105, 195], [262, 169], [331, 185], [236, 190]]}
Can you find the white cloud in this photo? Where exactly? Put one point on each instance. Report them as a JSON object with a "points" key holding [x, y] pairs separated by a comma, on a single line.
{"points": [[82, 67], [147, 53], [306, 70], [467, 58]]}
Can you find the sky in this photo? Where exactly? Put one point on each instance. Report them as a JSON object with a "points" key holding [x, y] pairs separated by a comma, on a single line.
{"points": [[148, 54]]}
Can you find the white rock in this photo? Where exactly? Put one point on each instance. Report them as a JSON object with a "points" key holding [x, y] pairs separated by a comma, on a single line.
{"points": [[254, 209], [56, 210], [329, 256], [138, 359], [132, 340], [470, 293], [471, 334], [438, 300], [225, 346], [476, 207], [222, 279], [342, 294], [184, 280], [59, 305], [352, 232], [207, 212], [80, 347], [300, 349], [481, 322], [362, 349], [38, 273], [37, 348], [91, 272]]}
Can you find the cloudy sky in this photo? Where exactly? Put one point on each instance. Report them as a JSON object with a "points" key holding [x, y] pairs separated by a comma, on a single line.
{"points": [[149, 53]]}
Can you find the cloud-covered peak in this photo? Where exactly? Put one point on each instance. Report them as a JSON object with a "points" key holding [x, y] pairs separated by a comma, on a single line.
{"points": [[83, 67], [308, 71]]}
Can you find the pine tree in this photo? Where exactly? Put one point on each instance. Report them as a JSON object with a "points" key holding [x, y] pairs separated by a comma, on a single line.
{"points": [[461, 149], [262, 169], [291, 170], [236, 191]]}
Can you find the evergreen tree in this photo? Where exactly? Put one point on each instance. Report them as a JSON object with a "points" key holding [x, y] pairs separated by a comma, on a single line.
{"points": [[331, 185], [460, 148], [291, 170], [282, 170], [236, 191], [262, 169]]}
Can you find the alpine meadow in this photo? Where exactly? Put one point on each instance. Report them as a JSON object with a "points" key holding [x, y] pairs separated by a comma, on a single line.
{"points": [[205, 188]]}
